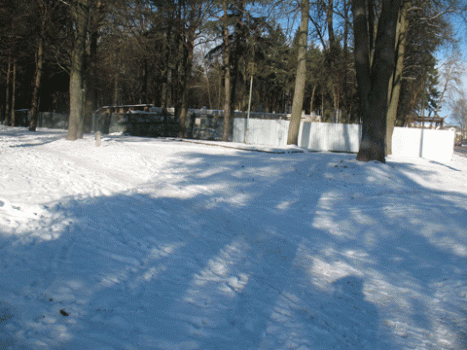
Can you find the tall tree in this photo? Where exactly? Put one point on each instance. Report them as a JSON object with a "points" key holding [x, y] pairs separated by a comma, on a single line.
{"points": [[80, 14], [396, 78], [373, 75], [459, 112], [227, 72], [238, 40], [300, 79], [14, 34], [43, 10], [193, 14], [452, 70], [7, 91], [13, 93], [91, 88], [422, 27]]}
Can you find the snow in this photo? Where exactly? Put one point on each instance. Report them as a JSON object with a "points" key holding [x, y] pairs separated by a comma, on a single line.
{"points": [[163, 244]]}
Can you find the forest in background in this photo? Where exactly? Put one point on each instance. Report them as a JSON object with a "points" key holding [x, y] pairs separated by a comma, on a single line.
{"points": [[195, 53]]}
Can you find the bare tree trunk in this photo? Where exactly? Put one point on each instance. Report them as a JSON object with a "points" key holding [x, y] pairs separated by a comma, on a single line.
{"points": [[300, 79], [312, 99], [227, 92], [188, 69], [37, 83], [331, 56], [145, 77], [195, 13], [165, 78], [39, 68], [235, 57], [336, 96], [396, 78], [322, 104], [165, 69], [7, 93], [177, 92], [373, 82], [115, 92], [208, 87], [219, 92], [91, 88], [80, 13], [188, 63], [330, 22], [346, 26], [13, 94]]}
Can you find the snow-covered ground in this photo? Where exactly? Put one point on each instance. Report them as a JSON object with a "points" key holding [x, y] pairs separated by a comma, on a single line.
{"points": [[162, 244]]}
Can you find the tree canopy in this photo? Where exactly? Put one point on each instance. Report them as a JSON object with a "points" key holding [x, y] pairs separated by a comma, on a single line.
{"points": [[187, 53]]}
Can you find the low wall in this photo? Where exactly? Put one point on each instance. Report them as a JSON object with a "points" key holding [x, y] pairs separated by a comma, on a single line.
{"points": [[330, 137], [261, 131], [437, 145], [153, 124], [313, 136]]}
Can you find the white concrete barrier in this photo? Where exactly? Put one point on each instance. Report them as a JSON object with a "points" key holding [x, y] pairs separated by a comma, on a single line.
{"points": [[437, 145], [329, 137], [269, 132]]}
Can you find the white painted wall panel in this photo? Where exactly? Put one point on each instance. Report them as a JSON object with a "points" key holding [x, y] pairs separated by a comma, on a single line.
{"points": [[434, 145], [437, 145], [406, 142]]}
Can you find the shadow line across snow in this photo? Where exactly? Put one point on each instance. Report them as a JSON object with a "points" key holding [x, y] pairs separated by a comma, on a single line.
{"points": [[251, 251]]}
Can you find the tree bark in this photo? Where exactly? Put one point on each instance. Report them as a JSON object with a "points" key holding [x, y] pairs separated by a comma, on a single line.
{"points": [[227, 92], [165, 69], [330, 22], [312, 99], [188, 64], [13, 94], [177, 71], [396, 78], [37, 84], [39, 68], [346, 26], [7, 93], [300, 79], [332, 56], [91, 91], [80, 14], [115, 92], [239, 36], [195, 13], [373, 82]]}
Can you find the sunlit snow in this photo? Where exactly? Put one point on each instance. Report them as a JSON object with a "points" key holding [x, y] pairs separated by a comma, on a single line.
{"points": [[168, 244]]}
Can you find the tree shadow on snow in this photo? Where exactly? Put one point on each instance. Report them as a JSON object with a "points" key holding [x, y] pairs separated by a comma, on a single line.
{"points": [[22, 137], [255, 251]]}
